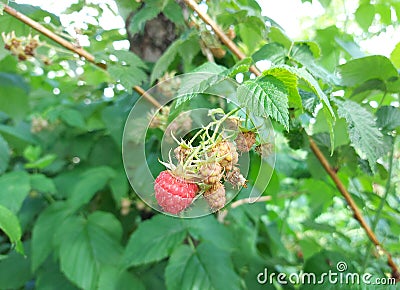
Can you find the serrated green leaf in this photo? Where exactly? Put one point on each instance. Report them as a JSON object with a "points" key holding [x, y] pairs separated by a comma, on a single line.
{"points": [[202, 78], [240, 67], [274, 52], [114, 118], [50, 277], [119, 186], [388, 118], [14, 270], [357, 71], [306, 53], [365, 15], [195, 84], [277, 35], [14, 187], [395, 55], [88, 245], [289, 79], [20, 132], [126, 7], [88, 184], [174, 12], [13, 87], [44, 229], [32, 153], [140, 18], [128, 76], [154, 240], [209, 67], [112, 278], [128, 58], [250, 34], [72, 117], [384, 11], [9, 224], [208, 229], [266, 97], [327, 108], [42, 162], [128, 70], [370, 85], [312, 46], [4, 155], [309, 101], [189, 49], [350, 46], [204, 267], [165, 60], [362, 130], [313, 84], [42, 183]]}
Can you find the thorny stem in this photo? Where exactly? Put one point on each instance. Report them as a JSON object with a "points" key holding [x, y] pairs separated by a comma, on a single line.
{"points": [[315, 149]]}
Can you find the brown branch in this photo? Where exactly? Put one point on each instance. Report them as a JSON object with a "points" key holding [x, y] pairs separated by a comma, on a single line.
{"points": [[147, 96], [223, 213], [261, 199], [220, 33], [250, 200], [357, 213], [68, 45], [350, 201], [37, 26]]}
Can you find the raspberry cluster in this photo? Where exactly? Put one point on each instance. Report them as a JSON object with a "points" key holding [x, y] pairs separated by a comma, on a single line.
{"points": [[22, 47], [202, 169]]}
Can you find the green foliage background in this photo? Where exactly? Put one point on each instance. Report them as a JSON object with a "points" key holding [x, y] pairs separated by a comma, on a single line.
{"points": [[62, 180]]}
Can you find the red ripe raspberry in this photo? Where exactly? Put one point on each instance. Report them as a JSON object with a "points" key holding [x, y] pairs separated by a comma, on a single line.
{"points": [[245, 140], [215, 196], [174, 194]]}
